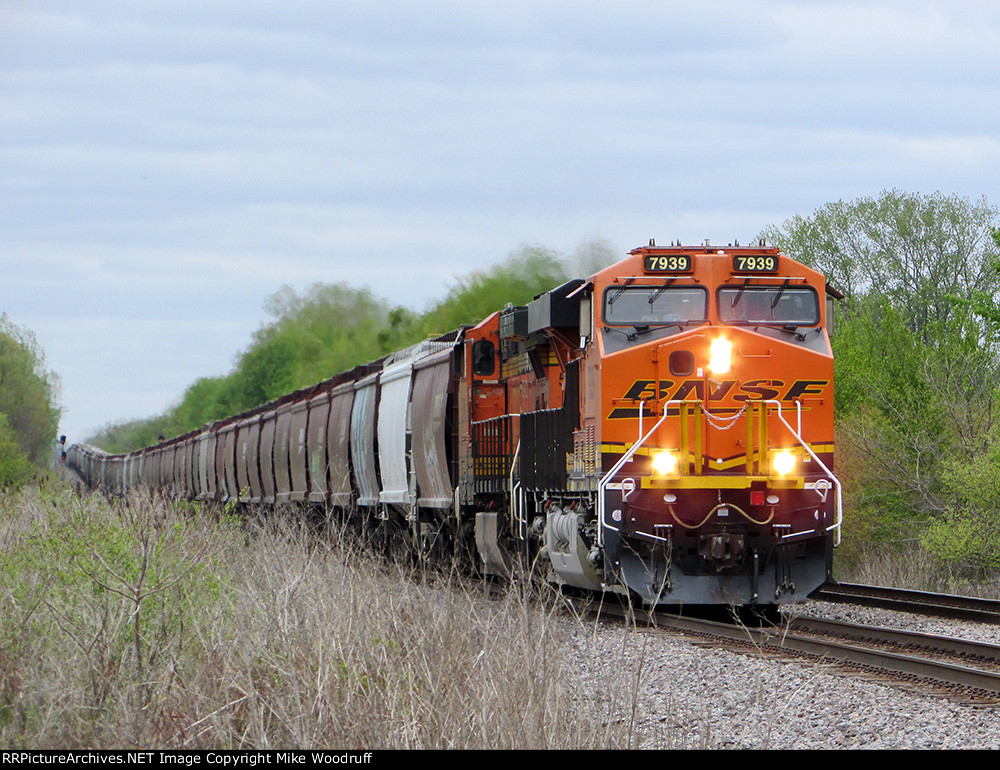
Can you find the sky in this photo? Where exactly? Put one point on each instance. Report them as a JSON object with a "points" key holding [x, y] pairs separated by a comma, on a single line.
{"points": [[166, 166]]}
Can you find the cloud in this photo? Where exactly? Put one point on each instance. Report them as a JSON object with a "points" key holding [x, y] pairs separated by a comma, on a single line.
{"points": [[176, 161]]}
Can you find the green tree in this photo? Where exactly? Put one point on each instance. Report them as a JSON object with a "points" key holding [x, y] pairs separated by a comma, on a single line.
{"points": [[920, 251], [326, 330], [517, 280], [29, 392], [915, 366], [15, 468], [201, 403], [984, 302]]}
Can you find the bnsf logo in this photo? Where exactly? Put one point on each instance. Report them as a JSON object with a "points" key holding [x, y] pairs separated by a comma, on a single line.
{"points": [[668, 390]]}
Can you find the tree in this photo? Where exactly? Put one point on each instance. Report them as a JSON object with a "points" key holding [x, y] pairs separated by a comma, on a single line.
{"points": [[984, 302], [915, 366], [518, 280], [921, 252], [14, 466], [28, 392]]}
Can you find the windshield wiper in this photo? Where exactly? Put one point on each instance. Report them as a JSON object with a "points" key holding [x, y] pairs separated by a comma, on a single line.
{"points": [[617, 294], [660, 291], [787, 328], [638, 329], [633, 335], [739, 294], [774, 302]]}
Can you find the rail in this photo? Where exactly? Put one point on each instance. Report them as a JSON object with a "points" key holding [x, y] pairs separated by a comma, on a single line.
{"points": [[908, 600], [917, 663]]}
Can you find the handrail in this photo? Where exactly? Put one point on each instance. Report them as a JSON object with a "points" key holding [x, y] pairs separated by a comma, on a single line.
{"points": [[836, 482], [514, 488], [606, 478], [605, 481]]}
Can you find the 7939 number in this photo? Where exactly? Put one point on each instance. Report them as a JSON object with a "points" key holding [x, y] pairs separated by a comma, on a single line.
{"points": [[667, 263], [755, 264]]}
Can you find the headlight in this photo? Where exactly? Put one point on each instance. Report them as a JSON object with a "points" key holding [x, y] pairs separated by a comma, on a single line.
{"points": [[664, 463], [719, 355], [783, 463]]}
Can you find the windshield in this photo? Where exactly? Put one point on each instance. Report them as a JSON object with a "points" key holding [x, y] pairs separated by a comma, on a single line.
{"points": [[787, 306], [657, 305]]}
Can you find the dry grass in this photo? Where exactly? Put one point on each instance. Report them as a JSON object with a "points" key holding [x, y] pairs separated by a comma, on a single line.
{"points": [[908, 565], [153, 624]]}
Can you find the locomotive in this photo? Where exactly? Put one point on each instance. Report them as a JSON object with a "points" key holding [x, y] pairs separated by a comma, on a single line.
{"points": [[662, 430]]}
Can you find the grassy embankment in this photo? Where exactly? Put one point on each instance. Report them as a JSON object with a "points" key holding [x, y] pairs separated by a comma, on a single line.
{"points": [[910, 565], [152, 623], [157, 624]]}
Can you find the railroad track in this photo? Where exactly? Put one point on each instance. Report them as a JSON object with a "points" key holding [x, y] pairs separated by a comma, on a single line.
{"points": [[960, 670], [903, 600]]}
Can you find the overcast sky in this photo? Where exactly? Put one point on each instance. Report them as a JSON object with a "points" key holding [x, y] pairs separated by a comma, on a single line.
{"points": [[165, 166]]}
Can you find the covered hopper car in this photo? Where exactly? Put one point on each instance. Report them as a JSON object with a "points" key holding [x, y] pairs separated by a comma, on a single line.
{"points": [[662, 430]]}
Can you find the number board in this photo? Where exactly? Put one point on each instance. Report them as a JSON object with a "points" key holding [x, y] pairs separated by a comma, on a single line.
{"points": [[667, 263], [755, 263]]}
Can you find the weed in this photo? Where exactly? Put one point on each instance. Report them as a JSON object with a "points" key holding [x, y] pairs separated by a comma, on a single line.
{"points": [[151, 622]]}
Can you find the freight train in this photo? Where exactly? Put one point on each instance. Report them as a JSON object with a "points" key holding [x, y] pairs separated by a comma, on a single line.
{"points": [[661, 430]]}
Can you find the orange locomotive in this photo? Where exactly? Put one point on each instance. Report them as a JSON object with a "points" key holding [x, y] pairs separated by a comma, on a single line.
{"points": [[663, 429]]}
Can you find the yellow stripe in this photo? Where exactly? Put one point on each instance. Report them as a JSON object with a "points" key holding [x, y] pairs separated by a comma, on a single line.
{"points": [[721, 482], [617, 448]]}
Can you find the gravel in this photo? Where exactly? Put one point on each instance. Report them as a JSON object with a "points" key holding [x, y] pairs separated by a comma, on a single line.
{"points": [[692, 696]]}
